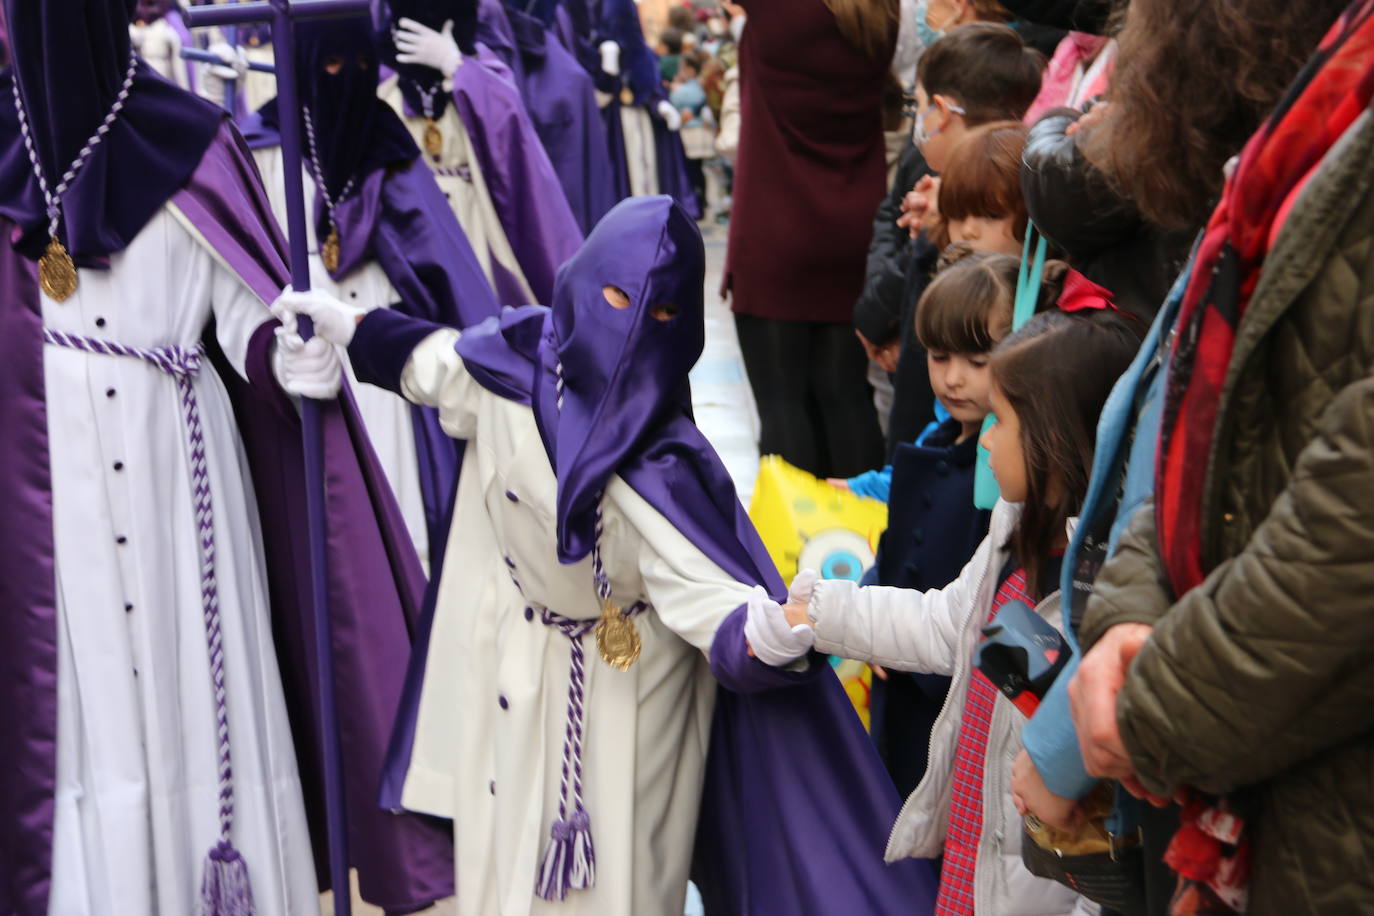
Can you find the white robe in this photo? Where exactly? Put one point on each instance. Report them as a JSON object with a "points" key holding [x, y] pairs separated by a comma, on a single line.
{"points": [[137, 792], [488, 750], [386, 416], [641, 149], [160, 46], [458, 173]]}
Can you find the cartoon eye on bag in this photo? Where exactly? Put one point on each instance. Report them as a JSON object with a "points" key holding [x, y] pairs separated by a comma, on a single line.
{"points": [[837, 553]]}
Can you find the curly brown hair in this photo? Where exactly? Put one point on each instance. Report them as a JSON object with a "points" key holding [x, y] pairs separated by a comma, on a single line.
{"points": [[1194, 79]]}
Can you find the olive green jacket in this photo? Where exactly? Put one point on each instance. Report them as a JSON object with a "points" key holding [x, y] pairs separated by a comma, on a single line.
{"points": [[1260, 682]]}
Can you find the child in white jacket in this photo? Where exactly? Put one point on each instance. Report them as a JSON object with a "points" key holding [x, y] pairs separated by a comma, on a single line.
{"points": [[1049, 382]]}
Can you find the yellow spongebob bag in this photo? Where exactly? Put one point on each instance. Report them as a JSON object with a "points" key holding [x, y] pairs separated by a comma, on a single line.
{"points": [[807, 524]]}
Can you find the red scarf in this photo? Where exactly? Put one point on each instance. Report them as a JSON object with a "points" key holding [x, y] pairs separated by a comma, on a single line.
{"points": [[1210, 851], [1330, 93]]}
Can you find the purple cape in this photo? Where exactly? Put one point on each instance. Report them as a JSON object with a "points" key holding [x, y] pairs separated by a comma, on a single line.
{"points": [[69, 57], [561, 101], [524, 188], [400, 219], [762, 847], [403, 862]]}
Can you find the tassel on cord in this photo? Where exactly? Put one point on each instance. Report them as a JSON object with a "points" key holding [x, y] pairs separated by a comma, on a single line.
{"points": [[583, 872], [569, 860], [225, 889]]}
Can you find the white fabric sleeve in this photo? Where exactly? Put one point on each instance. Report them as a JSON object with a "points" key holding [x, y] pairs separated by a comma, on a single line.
{"points": [[435, 376], [690, 593], [898, 628]]}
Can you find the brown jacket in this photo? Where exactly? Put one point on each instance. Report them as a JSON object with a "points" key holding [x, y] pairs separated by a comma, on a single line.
{"points": [[1260, 682]]}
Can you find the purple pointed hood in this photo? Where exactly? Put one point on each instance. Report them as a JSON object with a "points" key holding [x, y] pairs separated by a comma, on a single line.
{"points": [[622, 371], [70, 57], [356, 133], [603, 381]]}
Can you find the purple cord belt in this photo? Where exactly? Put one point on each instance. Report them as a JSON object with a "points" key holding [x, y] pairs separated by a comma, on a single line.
{"points": [[569, 862], [225, 889]]}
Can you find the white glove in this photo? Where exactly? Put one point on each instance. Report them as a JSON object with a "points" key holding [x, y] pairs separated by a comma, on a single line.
{"points": [[236, 61], [610, 57], [306, 368], [214, 76], [417, 43], [670, 115], [335, 321], [774, 641]]}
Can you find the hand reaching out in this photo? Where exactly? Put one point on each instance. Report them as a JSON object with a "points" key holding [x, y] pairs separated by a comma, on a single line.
{"points": [[780, 634], [921, 206], [885, 356]]}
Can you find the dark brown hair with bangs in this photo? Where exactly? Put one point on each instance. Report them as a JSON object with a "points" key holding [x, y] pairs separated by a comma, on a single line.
{"points": [[1056, 373], [967, 307], [984, 176]]}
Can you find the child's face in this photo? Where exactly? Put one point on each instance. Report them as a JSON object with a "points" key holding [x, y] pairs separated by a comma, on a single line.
{"points": [[1003, 440], [961, 381], [983, 233]]}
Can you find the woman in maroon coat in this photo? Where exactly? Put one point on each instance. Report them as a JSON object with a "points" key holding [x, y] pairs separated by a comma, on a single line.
{"points": [[810, 173]]}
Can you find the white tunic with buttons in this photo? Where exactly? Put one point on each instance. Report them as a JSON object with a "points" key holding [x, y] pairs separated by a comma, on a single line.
{"points": [[137, 793], [488, 750]]}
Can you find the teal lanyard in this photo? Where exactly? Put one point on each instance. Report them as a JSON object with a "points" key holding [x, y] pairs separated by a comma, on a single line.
{"points": [[1028, 278]]}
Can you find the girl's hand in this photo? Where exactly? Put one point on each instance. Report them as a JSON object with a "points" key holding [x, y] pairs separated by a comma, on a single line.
{"points": [[797, 610], [838, 483], [1029, 793], [921, 206]]}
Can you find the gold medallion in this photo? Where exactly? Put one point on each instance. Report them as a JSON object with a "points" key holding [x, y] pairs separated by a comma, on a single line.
{"points": [[627, 96], [617, 639], [57, 272], [434, 138], [330, 252]]}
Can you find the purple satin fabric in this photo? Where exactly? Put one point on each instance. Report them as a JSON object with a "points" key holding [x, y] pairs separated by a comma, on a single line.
{"points": [[71, 56], [561, 101], [573, 24], [28, 625], [425, 254], [404, 863], [494, 32], [539, 223]]}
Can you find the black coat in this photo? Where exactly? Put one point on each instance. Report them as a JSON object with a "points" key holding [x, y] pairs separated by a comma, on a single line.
{"points": [[913, 401], [1070, 15], [933, 530], [1101, 233], [878, 313]]}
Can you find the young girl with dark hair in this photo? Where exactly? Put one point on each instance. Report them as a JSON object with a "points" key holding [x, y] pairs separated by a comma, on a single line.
{"points": [[1042, 448]]}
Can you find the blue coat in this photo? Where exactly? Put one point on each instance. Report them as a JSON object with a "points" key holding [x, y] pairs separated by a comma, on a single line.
{"points": [[933, 531]]}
